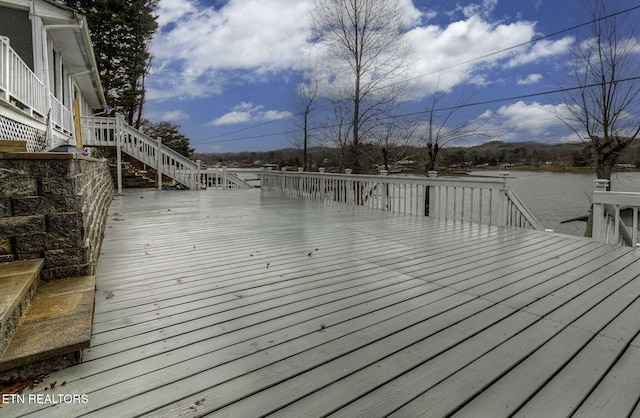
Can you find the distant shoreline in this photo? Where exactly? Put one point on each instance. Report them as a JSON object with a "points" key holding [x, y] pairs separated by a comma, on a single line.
{"points": [[554, 169]]}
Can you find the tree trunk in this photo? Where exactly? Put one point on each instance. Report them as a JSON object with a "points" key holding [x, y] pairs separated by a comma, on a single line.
{"points": [[433, 155], [385, 158]]}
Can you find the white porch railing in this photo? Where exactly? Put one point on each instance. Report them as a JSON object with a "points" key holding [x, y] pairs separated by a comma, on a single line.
{"points": [[615, 216], [20, 87], [475, 200]]}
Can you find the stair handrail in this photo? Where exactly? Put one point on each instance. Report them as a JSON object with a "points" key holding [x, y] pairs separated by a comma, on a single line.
{"points": [[173, 164], [526, 219]]}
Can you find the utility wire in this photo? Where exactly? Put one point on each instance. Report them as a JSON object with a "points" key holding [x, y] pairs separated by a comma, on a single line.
{"points": [[482, 57], [479, 103]]}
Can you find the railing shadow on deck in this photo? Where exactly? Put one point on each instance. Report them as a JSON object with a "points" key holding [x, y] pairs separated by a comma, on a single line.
{"points": [[487, 201]]}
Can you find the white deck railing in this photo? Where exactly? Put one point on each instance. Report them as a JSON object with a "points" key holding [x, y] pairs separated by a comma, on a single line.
{"points": [[475, 200], [20, 87], [615, 216], [215, 177]]}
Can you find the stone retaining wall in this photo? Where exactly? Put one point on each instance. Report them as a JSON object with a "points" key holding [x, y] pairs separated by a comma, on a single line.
{"points": [[53, 206]]}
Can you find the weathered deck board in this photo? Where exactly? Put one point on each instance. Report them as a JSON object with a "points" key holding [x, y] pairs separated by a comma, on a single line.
{"points": [[233, 303]]}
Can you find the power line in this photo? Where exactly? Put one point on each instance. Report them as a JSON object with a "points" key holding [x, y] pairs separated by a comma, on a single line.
{"points": [[465, 105], [479, 58]]}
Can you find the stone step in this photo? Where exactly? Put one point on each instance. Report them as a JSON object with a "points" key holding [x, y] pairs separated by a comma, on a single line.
{"points": [[54, 331], [18, 282]]}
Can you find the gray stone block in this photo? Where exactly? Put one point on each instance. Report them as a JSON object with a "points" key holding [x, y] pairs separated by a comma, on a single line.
{"points": [[19, 226], [34, 205], [5, 208], [64, 221], [18, 186], [57, 187]]}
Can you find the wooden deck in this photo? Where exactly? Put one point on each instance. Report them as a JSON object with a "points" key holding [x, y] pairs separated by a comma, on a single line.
{"points": [[233, 303]]}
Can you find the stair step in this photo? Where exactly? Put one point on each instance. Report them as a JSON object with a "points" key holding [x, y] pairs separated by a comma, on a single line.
{"points": [[54, 331], [7, 145], [18, 283]]}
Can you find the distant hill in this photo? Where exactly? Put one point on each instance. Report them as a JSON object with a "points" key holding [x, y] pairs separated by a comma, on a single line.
{"points": [[490, 153]]}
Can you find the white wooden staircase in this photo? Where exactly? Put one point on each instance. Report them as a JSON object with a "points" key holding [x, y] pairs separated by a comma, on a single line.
{"points": [[114, 132]]}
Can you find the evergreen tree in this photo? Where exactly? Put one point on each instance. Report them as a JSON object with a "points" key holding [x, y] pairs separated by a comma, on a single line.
{"points": [[170, 134], [121, 31]]}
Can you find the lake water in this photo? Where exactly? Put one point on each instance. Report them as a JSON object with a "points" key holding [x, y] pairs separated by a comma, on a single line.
{"points": [[555, 197]]}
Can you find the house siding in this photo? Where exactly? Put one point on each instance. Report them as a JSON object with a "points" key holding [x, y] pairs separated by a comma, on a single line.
{"points": [[16, 25]]}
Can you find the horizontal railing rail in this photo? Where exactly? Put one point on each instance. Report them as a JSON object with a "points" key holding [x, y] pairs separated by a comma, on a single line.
{"points": [[475, 200], [615, 217]]}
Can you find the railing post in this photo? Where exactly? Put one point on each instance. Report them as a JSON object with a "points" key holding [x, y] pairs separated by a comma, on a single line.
{"points": [[4, 54], [225, 181], [300, 182], [118, 138], [599, 223], [503, 213], [159, 164], [349, 188], [284, 180], [430, 196], [198, 174], [385, 191]]}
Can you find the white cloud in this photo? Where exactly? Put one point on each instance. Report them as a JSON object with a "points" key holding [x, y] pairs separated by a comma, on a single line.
{"points": [[410, 15], [172, 10], [532, 121], [484, 9], [248, 113], [449, 56], [198, 50], [168, 115], [540, 50], [530, 79], [534, 118]]}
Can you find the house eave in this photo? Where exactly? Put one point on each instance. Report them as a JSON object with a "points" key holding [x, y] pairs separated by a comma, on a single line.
{"points": [[72, 36]]}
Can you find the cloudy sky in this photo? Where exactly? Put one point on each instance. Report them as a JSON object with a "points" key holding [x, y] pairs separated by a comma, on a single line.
{"points": [[227, 71]]}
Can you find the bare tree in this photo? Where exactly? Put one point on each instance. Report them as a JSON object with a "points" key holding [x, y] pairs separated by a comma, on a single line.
{"points": [[393, 137], [606, 66], [304, 103], [441, 130], [364, 39], [336, 129]]}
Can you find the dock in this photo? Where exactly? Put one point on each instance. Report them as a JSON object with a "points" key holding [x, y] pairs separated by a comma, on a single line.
{"points": [[241, 303]]}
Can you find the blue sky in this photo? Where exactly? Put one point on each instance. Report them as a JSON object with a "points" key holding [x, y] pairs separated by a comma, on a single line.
{"points": [[227, 71]]}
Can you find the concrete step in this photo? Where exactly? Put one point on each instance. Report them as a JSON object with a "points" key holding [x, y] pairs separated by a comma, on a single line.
{"points": [[54, 331], [18, 283]]}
